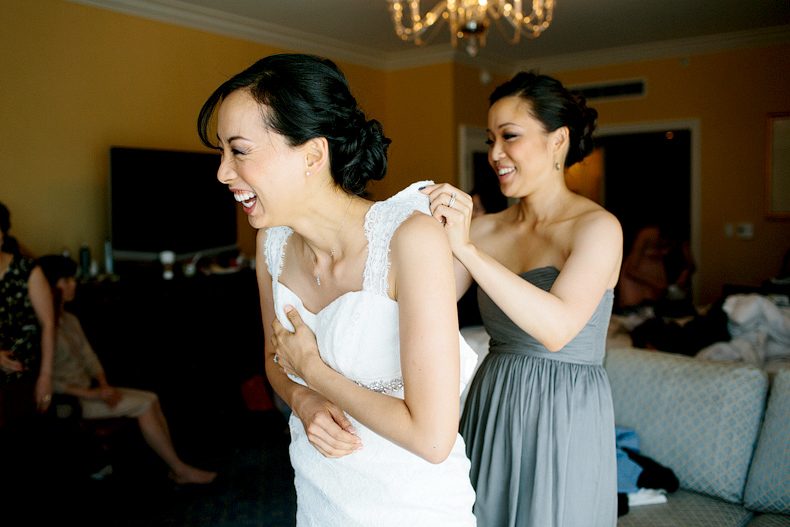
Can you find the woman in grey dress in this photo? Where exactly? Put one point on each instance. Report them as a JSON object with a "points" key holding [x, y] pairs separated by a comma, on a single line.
{"points": [[538, 420]]}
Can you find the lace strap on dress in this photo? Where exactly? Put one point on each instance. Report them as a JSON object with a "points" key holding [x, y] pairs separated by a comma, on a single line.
{"points": [[274, 250], [382, 220]]}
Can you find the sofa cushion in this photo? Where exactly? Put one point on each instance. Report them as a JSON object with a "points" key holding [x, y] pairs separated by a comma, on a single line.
{"points": [[685, 509], [698, 418], [769, 520], [768, 486]]}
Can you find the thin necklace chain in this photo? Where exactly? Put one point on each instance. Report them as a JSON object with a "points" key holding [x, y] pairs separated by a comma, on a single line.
{"points": [[332, 253]]}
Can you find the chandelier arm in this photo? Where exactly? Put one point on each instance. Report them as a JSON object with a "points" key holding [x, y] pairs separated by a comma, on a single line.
{"points": [[515, 39], [529, 26], [419, 25]]}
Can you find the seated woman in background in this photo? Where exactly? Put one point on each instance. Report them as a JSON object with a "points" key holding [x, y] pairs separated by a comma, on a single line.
{"points": [[76, 367], [656, 271], [27, 330]]}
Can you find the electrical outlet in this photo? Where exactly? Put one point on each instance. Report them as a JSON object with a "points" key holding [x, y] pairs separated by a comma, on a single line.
{"points": [[745, 231]]}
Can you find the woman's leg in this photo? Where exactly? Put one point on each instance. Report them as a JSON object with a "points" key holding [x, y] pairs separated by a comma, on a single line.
{"points": [[157, 434]]}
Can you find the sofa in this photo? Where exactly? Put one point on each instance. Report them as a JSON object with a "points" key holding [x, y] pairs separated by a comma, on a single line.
{"points": [[722, 428]]}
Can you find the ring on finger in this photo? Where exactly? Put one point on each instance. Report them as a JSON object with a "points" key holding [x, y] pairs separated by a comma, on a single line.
{"points": [[452, 200]]}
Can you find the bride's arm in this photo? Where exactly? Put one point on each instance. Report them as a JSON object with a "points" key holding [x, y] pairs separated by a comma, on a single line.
{"points": [[327, 427], [425, 422]]}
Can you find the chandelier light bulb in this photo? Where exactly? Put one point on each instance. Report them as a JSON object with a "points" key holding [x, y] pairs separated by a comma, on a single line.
{"points": [[469, 19]]}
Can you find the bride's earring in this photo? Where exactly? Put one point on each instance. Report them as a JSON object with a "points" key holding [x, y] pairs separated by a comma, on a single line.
{"points": [[308, 172]]}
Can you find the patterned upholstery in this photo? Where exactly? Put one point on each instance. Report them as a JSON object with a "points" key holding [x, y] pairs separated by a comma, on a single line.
{"points": [[768, 486], [683, 509], [770, 520], [699, 418]]}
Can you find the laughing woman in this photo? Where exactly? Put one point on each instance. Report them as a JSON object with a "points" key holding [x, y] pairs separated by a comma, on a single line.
{"points": [[367, 289], [538, 419]]}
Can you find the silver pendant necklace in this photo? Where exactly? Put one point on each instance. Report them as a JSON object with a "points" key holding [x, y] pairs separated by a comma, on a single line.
{"points": [[332, 253]]}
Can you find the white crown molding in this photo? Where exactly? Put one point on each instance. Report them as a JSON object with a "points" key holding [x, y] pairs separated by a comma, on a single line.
{"points": [[213, 21], [243, 28], [660, 50], [418, 56]]}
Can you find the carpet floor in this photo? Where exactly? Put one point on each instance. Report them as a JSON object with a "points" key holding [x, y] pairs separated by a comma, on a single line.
{"points": [[46, 478]]}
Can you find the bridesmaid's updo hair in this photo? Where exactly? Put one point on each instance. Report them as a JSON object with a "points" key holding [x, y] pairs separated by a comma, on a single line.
{"points": [[308, 97], [555, 107]]}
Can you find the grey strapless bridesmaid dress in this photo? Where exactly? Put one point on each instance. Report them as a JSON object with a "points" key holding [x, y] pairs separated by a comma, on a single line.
{"points": [[539, 426]]}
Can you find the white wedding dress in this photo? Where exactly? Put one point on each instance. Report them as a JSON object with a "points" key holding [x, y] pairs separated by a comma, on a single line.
{"points": [[382, 484]]}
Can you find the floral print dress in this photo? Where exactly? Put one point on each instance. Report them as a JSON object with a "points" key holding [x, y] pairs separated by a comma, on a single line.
{"points": [[19, 327]]}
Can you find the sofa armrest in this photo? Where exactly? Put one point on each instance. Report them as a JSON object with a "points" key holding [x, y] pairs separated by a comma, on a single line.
{"points": [[768, 486]]}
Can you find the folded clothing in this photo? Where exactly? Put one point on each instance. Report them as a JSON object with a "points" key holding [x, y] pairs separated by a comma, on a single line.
{"points": [[647, 497], [640, 480]]}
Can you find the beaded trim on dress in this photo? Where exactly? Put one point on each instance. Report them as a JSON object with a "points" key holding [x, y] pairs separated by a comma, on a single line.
{"points": [[394, 385]]}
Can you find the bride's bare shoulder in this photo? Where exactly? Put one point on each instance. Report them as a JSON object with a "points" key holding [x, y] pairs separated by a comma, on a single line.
{"points": [[418, 229]]}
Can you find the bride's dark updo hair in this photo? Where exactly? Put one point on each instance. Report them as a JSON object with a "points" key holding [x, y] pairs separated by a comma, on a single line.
{"points": [[308, 97], [555, 107]]}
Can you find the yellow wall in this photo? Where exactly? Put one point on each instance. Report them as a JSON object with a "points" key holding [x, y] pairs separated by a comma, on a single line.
{"points": [[419, 120], [76, 80], [729, 93], [471, 95]]}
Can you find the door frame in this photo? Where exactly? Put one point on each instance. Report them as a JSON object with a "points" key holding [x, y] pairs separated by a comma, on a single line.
{"points": [[693, 125], [471, 140]]}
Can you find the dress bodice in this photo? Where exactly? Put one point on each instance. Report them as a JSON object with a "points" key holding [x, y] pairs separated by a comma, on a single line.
{"points": [[358, 333], [587, 347]]}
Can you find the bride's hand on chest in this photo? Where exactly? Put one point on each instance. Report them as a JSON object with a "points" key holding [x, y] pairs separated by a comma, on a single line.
{"points": [[296, 352]]}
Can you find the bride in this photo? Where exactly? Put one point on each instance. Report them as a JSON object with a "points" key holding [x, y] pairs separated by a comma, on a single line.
{"points": [[358, 300]]}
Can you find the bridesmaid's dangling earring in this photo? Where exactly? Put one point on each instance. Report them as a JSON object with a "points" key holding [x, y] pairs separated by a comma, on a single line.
{"points": [[556, 166]]}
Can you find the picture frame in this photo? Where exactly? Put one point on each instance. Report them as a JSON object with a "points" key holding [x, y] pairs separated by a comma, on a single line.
{"points": [[777, 173]]}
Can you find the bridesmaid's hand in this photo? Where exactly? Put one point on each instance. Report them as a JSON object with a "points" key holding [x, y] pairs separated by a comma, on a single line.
{"points": [[454, 213], [295, 352]]}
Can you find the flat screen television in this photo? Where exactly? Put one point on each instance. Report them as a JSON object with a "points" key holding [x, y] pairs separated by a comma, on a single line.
{"points": [[165, 200]]}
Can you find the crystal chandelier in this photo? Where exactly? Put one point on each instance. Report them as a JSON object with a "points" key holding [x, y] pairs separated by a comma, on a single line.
{"points": [[469, 19]]}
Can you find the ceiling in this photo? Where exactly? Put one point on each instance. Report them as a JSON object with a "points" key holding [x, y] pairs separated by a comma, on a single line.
{"points": [[362, 30]]}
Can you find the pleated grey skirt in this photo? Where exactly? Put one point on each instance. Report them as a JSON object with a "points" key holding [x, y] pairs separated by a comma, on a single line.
{"points": [[540, 435]]}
